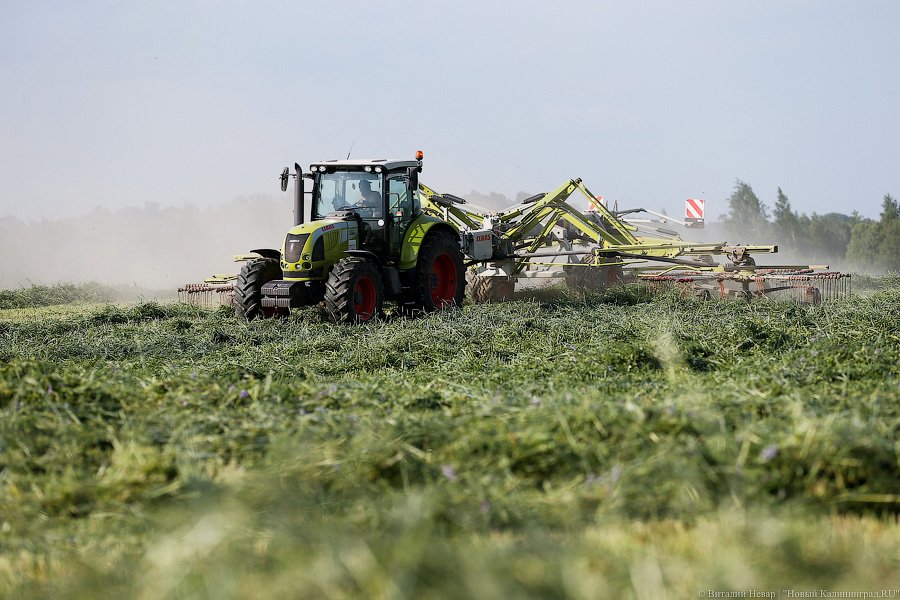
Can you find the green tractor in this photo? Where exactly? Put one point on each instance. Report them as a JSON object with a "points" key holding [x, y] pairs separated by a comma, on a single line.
{"points": [[367, 241]]}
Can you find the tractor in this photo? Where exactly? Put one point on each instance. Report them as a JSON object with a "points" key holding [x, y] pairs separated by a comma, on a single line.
{"points": [[367, 240]]}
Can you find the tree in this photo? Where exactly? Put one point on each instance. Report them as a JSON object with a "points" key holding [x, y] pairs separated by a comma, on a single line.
{"points": [[890, 210], [747, 217], [826, 236], [874, 244], [888, 257], [787, 223]]}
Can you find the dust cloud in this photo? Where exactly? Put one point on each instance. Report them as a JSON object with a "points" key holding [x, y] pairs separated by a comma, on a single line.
{"points": [[149, 247]]}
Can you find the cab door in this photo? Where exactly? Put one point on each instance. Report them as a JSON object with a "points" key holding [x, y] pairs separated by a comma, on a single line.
{"points": [[400, 211], [363, 193]]}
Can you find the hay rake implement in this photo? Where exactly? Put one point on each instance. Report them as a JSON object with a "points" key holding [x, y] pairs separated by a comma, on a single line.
{"points": [[601, 249], [801, 285], [215, 291]]}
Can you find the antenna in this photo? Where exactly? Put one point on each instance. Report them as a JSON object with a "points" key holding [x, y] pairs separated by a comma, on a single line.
{"points": [[351, 149]]}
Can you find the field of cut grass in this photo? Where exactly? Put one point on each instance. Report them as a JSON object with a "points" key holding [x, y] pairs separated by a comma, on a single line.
{"points": [[608, 445]]}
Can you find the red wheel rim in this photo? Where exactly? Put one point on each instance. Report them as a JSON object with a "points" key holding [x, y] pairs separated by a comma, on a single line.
{"points": [[443, 281], [364, 298]]}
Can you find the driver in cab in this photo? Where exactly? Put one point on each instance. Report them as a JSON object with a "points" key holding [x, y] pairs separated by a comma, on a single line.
{"points": [[369, 199]]}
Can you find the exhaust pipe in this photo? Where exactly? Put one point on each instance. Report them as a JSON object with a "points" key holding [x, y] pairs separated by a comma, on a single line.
{"points": [[298, 195]]}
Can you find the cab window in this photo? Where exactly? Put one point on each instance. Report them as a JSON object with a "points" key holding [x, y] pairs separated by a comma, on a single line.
{"points": [[349, 190]]}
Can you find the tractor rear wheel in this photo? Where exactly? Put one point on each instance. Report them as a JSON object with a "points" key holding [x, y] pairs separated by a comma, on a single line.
{"points": [[440, 276], [248, 288], [491, 289], [354, 292]]}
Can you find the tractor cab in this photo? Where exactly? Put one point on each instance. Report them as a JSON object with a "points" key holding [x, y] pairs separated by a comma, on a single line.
{"points": [[376, 193]]}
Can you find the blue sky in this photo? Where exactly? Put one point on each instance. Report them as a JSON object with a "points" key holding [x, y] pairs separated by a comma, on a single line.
{"points": [[117, 104]]}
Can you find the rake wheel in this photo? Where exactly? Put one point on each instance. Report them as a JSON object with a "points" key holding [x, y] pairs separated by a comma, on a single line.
{"points": [[593, 278], [491, 289]]}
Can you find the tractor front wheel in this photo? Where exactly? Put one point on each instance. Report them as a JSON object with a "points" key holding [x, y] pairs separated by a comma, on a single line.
{"points": [[440, 276], [354, 292], [248, 288]]}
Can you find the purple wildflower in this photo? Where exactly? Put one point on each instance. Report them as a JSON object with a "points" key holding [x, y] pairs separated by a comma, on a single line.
{"points": [[769, 452], [244, 394], [449, 472]]}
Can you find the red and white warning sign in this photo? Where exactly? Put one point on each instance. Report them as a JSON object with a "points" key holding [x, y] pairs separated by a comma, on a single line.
{"points": [[693, 211], [594, 203]]}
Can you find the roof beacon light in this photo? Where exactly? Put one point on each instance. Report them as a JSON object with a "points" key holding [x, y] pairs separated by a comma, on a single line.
{"points": [[419, 155]]}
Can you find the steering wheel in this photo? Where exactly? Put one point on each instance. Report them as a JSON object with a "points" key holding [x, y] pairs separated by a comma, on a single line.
{"points": [[366, 210], [362, 209]]}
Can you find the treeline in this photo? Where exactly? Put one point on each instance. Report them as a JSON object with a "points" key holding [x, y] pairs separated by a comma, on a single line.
{"points": [[852, 240]]}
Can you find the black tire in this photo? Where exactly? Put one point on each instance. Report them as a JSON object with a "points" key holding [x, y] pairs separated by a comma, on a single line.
{"points": [[592, 278], [491, 289], [704, 294], [248, 288], [440, 275], [354, 292]]}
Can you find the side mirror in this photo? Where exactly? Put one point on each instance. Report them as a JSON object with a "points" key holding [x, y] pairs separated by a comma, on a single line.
{"points": [[412, 180], [284, 179]]}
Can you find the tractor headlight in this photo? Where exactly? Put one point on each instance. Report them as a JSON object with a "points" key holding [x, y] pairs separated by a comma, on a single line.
{"points": [[293, 246]]}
